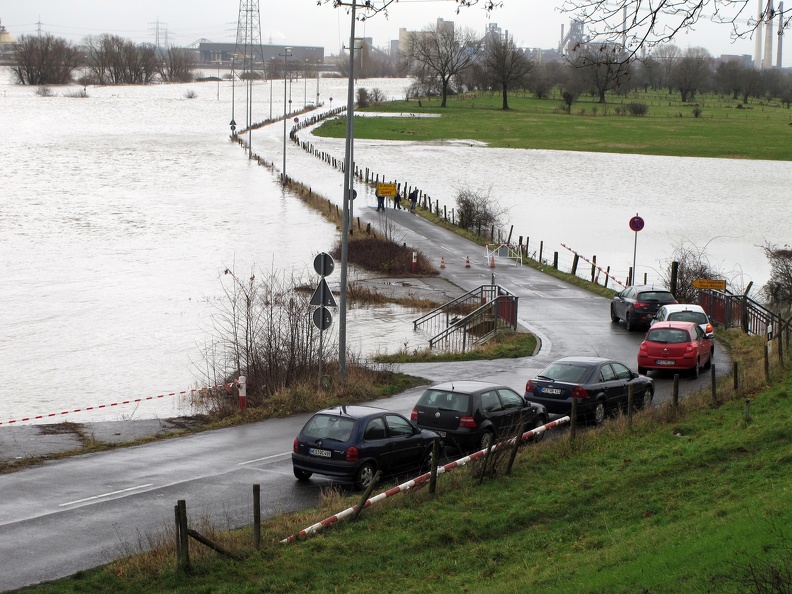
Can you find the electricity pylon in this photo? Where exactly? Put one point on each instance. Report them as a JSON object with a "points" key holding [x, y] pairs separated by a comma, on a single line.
{"points": [[248, 48]]}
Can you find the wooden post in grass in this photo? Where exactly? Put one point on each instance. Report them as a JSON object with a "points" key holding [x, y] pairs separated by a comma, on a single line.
{"points": [[541, 248], [607, 276], [781, 346], [736, 377], [575, 264], [747, 410], [182, 538], [257, 516], [713, 387], [366, 495], [593, 268], [675, 394], [767, 362], [555, 260], [517, 441], [573, 420], [433, 472], [629, 406], [485, 463]]}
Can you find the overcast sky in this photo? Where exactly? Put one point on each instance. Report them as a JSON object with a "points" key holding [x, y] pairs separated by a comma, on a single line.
{"points": [[533, 23]]}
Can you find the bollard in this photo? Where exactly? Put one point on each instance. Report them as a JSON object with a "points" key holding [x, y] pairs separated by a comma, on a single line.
{"points": [[242, 393]]}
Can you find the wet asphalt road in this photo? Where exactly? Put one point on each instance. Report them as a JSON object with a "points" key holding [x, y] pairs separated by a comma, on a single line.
{"points": [[77, 513]]}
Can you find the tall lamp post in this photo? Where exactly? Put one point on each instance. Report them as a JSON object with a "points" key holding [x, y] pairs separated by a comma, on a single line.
{"points": [[272, 77], [233, 99], [305, 80], [286, 53], [218, 62]]}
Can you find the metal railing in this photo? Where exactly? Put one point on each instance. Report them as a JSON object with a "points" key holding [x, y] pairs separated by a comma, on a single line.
{"points": [[740, 311], [470, 319]]}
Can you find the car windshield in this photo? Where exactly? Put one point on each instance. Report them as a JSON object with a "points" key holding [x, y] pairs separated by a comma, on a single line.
{"points": [[573, 373], [445, 400], [659, 296], [668, 336], [689, 316], [329, 427]]}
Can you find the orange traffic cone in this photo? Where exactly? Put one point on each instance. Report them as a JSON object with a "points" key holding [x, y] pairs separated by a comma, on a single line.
{"points": [[467, 262], [492, 261], [442, 262]]}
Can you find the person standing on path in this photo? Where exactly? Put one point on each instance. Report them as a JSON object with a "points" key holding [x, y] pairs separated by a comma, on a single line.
{"points": [[380, 202], [397, 200], [413, 199]]}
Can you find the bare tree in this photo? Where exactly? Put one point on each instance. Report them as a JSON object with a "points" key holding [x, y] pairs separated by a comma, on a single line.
{"points": [[639, 24], [441, 52], [667, 56], [506, 65], [778, 289], [177, 66], [691, 72], [44, 60], [603, 67]]}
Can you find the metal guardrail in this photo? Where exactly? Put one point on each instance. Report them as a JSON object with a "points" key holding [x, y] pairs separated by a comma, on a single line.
{"points": [[470, 319], [740, 311]]}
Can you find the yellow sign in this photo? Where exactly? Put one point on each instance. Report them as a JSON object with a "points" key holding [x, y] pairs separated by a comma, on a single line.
{"points": [[387, 190], [712, 284]]}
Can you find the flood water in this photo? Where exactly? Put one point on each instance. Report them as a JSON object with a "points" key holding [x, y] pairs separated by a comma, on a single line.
{"points": [[120, 211]]}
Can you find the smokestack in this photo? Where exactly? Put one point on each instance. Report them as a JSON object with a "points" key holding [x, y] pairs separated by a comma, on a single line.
{"points": [[779, 61], [758, 32], [767, 61]]}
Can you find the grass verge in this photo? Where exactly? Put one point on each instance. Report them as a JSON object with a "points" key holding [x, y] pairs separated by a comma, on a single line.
{"points": [[504, 345]]}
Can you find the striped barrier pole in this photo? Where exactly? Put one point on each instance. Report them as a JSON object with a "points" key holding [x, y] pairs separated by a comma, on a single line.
{"points": [[421, 480]]}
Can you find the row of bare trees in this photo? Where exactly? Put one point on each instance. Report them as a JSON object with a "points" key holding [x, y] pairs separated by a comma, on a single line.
{"points": [[103, 59]]}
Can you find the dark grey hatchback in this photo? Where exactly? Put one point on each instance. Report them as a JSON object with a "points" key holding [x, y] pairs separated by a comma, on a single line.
{"points": [[350, 443], [469, 415]]}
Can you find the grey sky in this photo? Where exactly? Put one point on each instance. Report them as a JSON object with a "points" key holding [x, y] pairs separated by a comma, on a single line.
{"points": [[533, 23]]}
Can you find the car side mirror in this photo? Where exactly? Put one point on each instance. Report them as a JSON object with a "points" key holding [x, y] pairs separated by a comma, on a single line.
{"points": [[709, 335]]}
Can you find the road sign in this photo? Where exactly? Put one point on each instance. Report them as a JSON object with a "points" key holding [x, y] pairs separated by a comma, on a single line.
{"points": [[387, 190], [709, 283], [323, 264], [322, 318], [636, 223], [323, 295]]}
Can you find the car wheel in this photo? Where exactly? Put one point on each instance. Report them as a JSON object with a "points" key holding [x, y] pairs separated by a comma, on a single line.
{"points": [[302, 475], [709, 359], [599, 413], [696, 371], [614, 317], [628, 323], [486, 440], [646, 401], [642, 371], [364, 476]]}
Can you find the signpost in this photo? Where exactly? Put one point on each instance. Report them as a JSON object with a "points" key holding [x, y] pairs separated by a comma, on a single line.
{"points": [[387, 190], [322, 298], [636, 224], [709, 283]]}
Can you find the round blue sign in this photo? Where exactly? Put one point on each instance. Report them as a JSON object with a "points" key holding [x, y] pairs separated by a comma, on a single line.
{"points": [[636, 223]]}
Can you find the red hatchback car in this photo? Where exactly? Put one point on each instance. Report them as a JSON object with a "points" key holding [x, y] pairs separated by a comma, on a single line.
{"points": [[676, 345]]}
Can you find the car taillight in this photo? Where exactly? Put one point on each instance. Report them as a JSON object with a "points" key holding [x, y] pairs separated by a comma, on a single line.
{"points": [[642, 348], [414, 414], [579, 392], [709, 329], [528, 387], [690, 347], [296, 445], [352, 454], [640, 305], [468, 422]]}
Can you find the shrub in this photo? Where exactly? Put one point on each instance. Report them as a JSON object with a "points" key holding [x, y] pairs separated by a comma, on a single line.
{"points": [[477, 210], [190, 94], [638, 109], [697, 112], [44, 91]]}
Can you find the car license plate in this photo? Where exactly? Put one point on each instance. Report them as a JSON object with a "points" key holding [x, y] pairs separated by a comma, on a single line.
{"points": [[664, 362], [318, 452], [551, 391]]}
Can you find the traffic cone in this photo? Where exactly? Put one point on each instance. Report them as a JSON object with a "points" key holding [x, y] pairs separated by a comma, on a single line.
{"points": [[492, 261], [467, 262], [442, 262]]}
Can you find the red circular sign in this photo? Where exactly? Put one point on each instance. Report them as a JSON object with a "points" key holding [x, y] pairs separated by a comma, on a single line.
{"points": [[636, 223], [296, 120]]}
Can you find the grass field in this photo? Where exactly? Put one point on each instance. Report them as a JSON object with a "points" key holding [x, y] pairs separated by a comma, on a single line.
{"points": [[755, 131]]}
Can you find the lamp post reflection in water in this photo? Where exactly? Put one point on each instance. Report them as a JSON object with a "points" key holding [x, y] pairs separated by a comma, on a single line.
{"points": [[286, 53]]}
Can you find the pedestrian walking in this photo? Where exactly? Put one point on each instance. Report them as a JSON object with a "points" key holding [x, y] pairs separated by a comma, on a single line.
{"points": [[413, 199], [397, 200], [380, 202]]}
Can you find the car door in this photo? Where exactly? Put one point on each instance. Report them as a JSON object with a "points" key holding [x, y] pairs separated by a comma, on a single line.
{"points": [[406, 445], [516, 410], [702, 344], [623, 302], [624, 377], [660, 316], [376, 443], [614, 389], [492, 410]]}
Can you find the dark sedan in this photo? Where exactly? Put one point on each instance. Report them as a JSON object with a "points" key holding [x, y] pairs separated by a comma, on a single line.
{"points": [[350, 443], [599, 385], [470, 415], [638, 305]]}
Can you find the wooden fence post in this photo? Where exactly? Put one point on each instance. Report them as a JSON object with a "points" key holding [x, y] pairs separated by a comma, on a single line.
{"points": [[575, 264], [736, 377], [555, 260], [767, 362], [675, 394], [517, 441], [485, 463], [433, 474], [573, 420], [366, 495], [747, 410], [257, 516], [183, 548], [713, 386], [629, 406]]}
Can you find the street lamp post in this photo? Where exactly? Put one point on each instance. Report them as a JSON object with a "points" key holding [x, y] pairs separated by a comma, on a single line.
{"points": [[233, 98], [218, 62], [285, 55], [305, 80], [317, 87], [272, 77]]}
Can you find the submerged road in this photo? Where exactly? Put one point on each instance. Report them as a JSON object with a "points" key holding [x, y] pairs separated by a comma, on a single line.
{"points": [[81, 512]]}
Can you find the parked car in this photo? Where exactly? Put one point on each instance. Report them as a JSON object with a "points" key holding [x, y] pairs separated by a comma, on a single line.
{"points": [[350, 443], [469, 415], [637, 305], [599, 385], [684, 312], [676, 346]]}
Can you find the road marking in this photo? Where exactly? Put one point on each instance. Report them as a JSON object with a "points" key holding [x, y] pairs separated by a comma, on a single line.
{"points": [[105, 495], [264, 458]]}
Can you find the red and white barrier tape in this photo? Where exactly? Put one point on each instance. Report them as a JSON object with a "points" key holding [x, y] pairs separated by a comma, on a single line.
{"points": [[421, 480], [594, 264], [114, 404]]}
